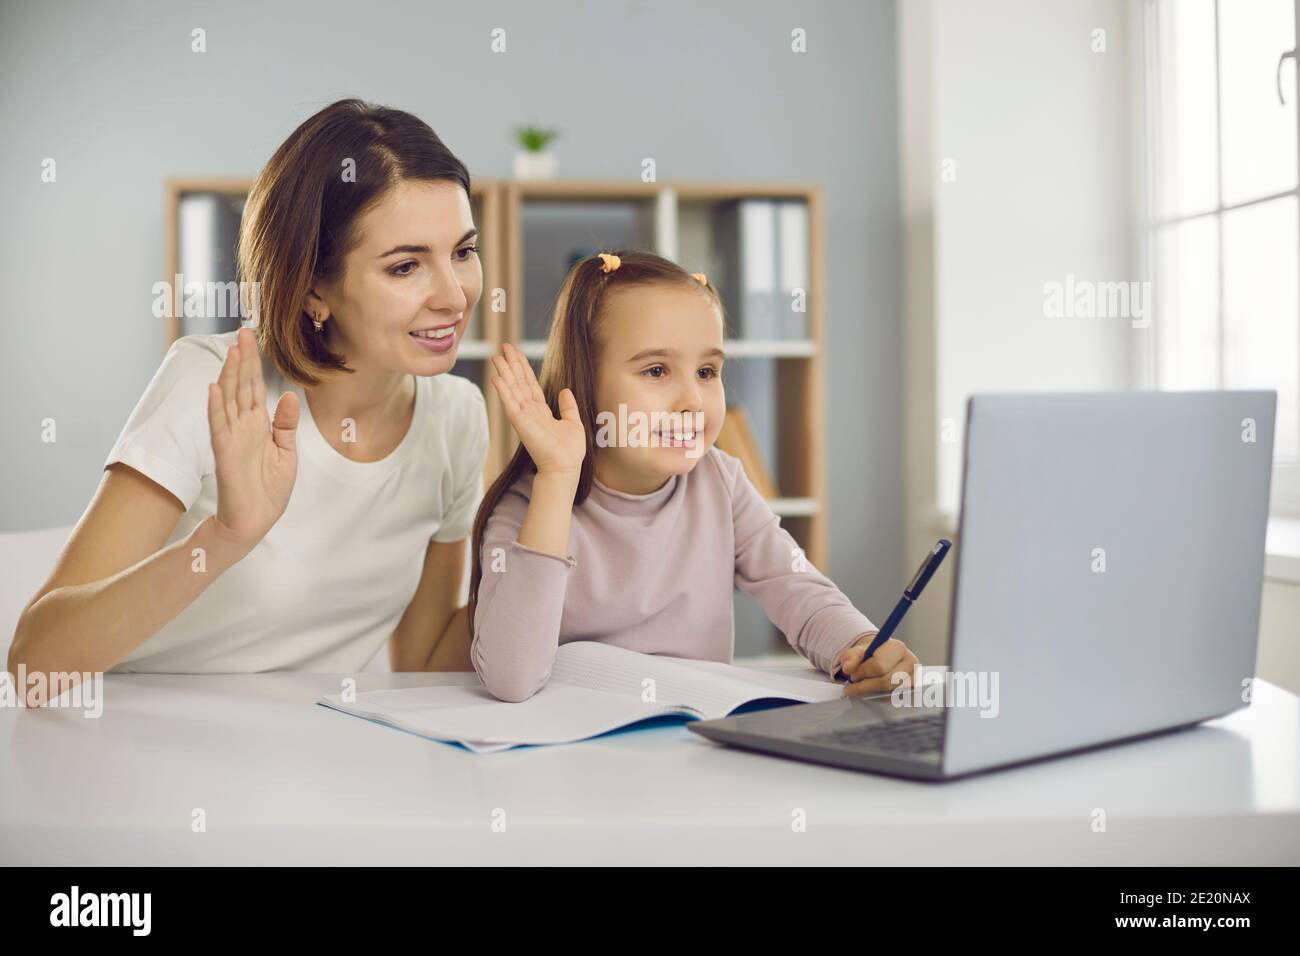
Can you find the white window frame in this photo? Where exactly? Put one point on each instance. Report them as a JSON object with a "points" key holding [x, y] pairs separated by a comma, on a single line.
{"points": [[1285, 497]]}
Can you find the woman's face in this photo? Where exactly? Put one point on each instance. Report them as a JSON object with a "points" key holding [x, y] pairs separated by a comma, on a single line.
{"points": [[660, 352], [415, 267]]}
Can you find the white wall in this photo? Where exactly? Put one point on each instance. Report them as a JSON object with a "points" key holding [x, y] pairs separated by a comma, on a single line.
{"points": [[1037, 126], [1039, 132]]}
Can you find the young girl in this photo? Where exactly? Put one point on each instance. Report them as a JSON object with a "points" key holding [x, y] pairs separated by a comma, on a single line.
{"points": [[633, 535]]}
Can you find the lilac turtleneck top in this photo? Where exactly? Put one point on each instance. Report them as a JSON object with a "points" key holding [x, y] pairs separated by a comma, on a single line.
{"points": [[652, 573]]}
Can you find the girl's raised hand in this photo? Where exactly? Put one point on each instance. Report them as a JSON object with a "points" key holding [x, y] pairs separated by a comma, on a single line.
{"points": [[557, 445], [256, 458]]}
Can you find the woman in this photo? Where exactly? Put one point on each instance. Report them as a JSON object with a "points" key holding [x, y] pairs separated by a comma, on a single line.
{"points": [[225, 538]]}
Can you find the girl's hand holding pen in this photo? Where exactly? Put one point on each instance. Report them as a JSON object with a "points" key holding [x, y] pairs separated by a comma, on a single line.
{"points": [[556, 445], [876, 674]]}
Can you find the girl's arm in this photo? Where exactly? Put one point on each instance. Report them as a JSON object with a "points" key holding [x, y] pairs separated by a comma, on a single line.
{"points": [[524, 555], [550, 511], [815, 616], [521, 592]]}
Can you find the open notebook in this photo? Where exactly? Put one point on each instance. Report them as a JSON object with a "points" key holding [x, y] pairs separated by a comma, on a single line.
{"points": [[594, 688]]}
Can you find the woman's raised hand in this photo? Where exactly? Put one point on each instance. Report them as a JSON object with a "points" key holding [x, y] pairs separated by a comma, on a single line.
{"points": [[256, 458], [557, 445]]}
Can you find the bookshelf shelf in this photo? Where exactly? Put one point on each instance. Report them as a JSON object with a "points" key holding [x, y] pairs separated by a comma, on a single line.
{"points": [[532, 348], [794, 507], [735, 348], [772, 348]]}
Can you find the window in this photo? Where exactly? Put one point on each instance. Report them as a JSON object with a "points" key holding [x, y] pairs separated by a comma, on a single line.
{"points": [[1223, 214]]}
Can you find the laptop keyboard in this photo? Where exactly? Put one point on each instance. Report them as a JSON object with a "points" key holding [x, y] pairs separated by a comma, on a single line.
{"points": [[914, 735]]}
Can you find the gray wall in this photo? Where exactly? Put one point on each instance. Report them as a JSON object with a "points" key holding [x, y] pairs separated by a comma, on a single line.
{"points": [[114, 95]]}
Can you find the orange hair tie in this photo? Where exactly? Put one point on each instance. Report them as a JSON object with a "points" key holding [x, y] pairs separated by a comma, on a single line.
{"points": [[611, 262], [700, 277]]}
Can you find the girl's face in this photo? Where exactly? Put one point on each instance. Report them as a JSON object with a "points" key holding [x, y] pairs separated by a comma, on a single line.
{"points": [[415, 267], [660, 352]]}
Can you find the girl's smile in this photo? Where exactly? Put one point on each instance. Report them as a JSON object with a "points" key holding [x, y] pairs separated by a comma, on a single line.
{"points": [[684, 434]]}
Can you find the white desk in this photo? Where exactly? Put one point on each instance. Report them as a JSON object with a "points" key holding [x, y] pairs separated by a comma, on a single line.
{"points": [[285, 781]]}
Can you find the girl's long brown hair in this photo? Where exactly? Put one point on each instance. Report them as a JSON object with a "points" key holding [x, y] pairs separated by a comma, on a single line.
{"points": [[572, 349]]}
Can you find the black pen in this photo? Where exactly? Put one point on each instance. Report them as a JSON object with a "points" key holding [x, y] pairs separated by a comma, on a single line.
{"points": [[910, 594]]}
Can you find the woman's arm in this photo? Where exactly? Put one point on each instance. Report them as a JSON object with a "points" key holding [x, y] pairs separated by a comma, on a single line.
{"points": [[426, 626], [112, 587], [452, 652]]}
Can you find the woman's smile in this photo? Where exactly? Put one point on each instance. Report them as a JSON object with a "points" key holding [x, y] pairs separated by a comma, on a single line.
{"points": [[435, 338]]}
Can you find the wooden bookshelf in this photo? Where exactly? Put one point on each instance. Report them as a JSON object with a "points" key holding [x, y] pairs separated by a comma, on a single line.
{"points": [[667, 221]]}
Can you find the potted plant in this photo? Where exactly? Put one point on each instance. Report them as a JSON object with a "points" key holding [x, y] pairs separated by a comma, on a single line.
{"points": [[534, 160]]}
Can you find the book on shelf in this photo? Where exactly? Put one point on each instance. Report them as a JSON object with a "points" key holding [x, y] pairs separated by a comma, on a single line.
{"points": [[763, 250]]}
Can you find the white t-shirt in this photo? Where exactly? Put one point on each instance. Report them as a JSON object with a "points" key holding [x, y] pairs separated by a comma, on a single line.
{"points": [[327, 585]]}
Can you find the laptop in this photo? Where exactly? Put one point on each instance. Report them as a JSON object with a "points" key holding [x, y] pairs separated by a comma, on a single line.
{"points": [[1107, 585]]}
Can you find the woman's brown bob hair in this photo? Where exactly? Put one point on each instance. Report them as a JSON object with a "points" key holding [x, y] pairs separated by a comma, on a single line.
{"points": [[299, 220], [572, 348]]}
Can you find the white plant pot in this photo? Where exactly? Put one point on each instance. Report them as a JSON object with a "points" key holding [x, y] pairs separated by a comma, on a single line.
{"points": [[543, 165]]}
